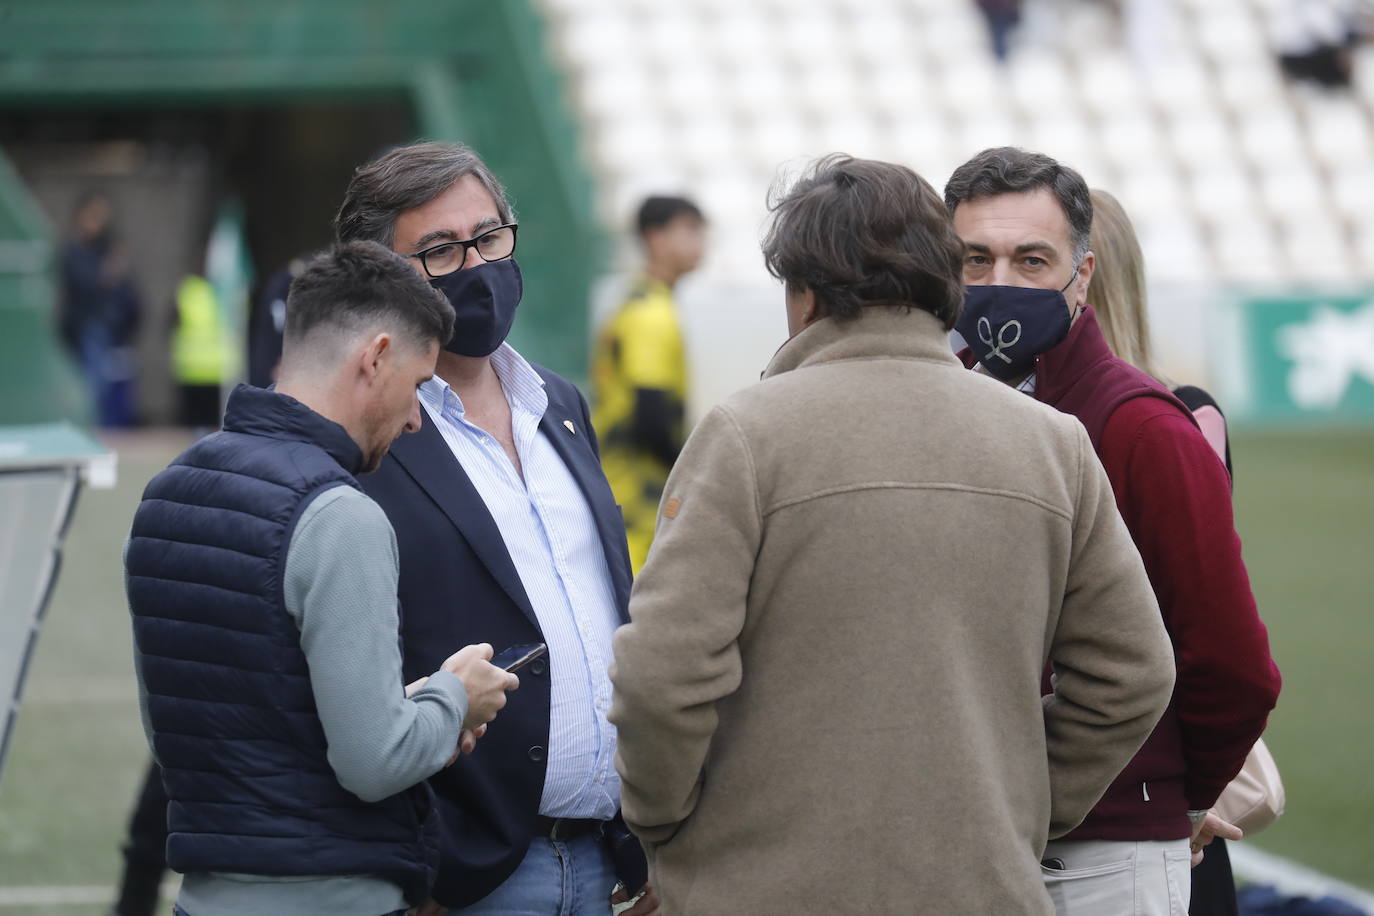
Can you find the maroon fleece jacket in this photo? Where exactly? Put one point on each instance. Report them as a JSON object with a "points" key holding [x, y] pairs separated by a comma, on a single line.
{"points": [[1175, 497]]}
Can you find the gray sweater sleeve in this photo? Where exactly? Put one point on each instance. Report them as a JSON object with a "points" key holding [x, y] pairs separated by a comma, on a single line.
{"points": [[341, 572]]}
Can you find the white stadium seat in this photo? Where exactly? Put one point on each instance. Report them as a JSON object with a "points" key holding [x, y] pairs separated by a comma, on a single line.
{"points": [[1250, 90], [1293, 189], [1108, 84], [1180, 85], [1225, 192], [1228, 34], [1035, 81], [1131, 140], [1152, 194], [1174, 248], [1247, 252], [1203, 143], [1316, 251], [1272, 139], [1352, 191], [1338, 132]]}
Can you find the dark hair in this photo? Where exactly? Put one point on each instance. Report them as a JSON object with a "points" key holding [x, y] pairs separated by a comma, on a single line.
{"points": [[660, 210], [1009, 170], [358, 285], [855, 231], [403, 179]]}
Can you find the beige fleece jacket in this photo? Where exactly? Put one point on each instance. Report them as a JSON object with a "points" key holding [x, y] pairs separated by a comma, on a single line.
{"points": [[829, 693]]}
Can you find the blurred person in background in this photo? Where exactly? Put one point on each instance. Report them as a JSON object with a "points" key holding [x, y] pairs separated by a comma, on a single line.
{"points": [[201, 353], [1025, 220], [508, 534], [829, 694], [639, 370], [1002, 17], [144, 849], [1118, 294], [99, 309], [262, 585], [1315, 39]]}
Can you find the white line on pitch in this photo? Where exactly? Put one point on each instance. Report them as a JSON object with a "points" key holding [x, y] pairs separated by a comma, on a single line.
{"points": [[69, 895]]}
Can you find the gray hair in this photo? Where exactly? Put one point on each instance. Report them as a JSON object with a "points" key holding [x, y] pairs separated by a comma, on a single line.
{"points": [[1009, 170], [403, 179]]}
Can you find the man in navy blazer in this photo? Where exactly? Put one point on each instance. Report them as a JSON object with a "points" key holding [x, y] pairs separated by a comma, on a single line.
{"points": [[508, 534]]}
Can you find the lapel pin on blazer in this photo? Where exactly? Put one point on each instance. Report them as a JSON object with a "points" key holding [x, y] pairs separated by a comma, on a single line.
{"points": [[569, 424]]}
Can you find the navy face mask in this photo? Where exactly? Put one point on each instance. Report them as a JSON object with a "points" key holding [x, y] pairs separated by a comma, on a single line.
{"points": [[1008, 326], [484, 300]]}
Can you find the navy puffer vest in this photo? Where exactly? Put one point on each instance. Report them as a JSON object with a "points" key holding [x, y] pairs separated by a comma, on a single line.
{"points": [[234, 720]]}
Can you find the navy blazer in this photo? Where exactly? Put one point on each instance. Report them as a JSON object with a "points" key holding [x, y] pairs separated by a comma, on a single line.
{"points": [[459, 586]]}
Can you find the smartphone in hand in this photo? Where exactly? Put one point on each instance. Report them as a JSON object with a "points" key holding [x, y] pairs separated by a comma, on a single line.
{"points": [[517, 657]]}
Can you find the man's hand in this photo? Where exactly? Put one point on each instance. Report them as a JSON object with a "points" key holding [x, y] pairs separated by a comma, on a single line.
{"points": [[1208, 829], [414, 686], [430, 907], [486, 684], [467, 743], [646, 901]]}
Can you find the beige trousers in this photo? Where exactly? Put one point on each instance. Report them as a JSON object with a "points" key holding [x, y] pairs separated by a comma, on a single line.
{"points": [[1116, 878]]}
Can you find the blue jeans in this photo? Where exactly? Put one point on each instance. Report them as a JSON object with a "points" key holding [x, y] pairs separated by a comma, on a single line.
{"points": [[566, 878]]}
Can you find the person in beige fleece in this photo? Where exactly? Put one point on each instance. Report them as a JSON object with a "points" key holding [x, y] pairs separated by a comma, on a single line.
{"points": [[828, 696]]}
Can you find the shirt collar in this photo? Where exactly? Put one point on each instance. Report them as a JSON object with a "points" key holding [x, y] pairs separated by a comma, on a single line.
{"points": [[892, 330], [524, 388]]}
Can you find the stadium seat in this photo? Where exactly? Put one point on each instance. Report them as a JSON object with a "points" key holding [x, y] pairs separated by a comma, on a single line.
{"points": [[1180, 86], [687, 89], [1352, 191], [1251, 90], [1293, 189], [1178, 250], [1338, 131], [1131, 140], [1224, 192], [1248, 253], [1152, 194], [1228, 34], [1108, 84], [1270, 139], [1316, 252], [1032, 78]]}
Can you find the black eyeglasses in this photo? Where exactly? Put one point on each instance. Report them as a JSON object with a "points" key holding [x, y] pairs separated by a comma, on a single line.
{"points": [[493, 245]]}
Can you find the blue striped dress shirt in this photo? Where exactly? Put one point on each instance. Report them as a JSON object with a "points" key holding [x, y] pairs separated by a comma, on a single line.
{"points": [[551, 536]]}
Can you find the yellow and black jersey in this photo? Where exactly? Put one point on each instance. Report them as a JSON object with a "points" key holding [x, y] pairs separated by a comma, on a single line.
{"points": [[639, 385]]}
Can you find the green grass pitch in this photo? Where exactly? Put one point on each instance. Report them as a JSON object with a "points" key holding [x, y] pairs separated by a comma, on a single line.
{"points": [[1304, 505]]}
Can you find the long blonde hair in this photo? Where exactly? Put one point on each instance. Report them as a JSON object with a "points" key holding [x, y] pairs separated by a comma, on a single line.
{"points": [[1117, 290]]}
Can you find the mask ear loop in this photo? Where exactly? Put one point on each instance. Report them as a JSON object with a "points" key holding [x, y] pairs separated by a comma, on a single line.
{"points": [[1073, 275]]}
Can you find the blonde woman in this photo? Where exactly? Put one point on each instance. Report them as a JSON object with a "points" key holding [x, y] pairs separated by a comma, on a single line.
{"points": [[1117, 293]]}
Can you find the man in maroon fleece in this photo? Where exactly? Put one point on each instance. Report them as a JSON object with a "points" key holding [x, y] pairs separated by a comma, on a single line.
{"points": [[1025, 221]]}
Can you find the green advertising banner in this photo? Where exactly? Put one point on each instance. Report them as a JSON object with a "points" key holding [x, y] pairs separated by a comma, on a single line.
{"points": [[1297, 358]]}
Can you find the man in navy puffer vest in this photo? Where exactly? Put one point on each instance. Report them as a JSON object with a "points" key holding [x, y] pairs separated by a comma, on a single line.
{"points": [[262, 583]]}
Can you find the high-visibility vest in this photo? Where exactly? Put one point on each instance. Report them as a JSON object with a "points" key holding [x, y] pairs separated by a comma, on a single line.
{"points": [[200, 342]]}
